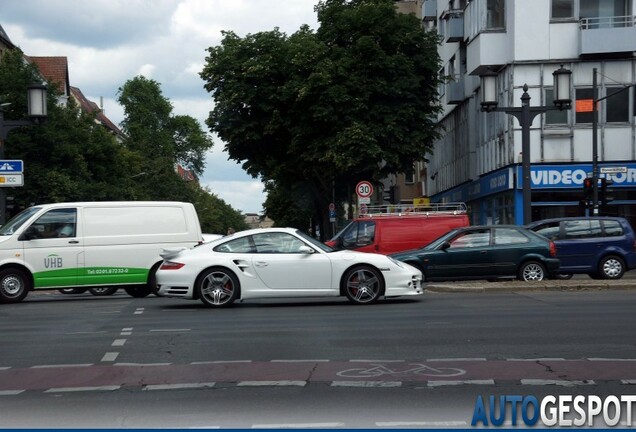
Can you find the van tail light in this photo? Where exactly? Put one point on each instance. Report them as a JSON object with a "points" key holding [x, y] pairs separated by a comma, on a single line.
{"points": [[171, 265], [553, 253]]}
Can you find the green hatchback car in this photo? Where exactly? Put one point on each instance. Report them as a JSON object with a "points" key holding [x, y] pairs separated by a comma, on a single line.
{"points": [[485, 252]]}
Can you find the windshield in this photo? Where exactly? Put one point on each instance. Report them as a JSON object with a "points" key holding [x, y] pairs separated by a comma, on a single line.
{"points": [[439, 240], [18, 220], [339, 234], [323, 247]]}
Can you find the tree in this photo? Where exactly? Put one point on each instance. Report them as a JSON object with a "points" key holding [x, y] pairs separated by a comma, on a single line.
{"points": [[357, 99]]}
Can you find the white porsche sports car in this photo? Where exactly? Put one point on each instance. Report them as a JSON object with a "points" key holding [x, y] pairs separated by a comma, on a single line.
{"points": [[281, 262]]}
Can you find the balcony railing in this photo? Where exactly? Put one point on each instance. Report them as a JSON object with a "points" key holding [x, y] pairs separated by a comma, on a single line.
{"points": [[455, 91], [602, 35], [429, 10]]}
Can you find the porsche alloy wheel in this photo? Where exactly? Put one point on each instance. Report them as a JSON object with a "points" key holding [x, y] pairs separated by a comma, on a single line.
{"points": [[217, 287], [363, 285]]}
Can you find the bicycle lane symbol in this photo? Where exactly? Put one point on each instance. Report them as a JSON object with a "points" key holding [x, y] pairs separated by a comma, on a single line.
{"points": [[378, 369]]}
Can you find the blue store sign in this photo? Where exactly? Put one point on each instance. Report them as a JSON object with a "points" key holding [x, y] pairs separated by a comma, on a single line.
{"points": [[572, 175]]}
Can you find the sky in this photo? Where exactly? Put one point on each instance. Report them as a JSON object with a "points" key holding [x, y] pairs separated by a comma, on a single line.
{"points": [[108, 42]]}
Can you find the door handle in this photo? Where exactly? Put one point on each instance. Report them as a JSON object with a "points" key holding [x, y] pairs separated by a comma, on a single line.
{"points": [[73, 241], [261, 264]]}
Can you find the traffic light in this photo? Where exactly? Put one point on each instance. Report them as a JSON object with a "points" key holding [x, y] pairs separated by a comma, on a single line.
{"points": [[604, 195], [588, 191], [394, 195]]}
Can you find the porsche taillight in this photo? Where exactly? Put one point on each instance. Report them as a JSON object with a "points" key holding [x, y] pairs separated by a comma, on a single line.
{"points": [[171, 265], [552, 249]]}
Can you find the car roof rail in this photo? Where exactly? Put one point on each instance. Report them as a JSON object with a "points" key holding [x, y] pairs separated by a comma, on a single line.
{"points": [[411, 210]]}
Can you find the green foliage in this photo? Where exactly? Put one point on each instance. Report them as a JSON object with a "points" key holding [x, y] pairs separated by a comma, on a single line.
{"points": [[324, 108], [70, 157]]}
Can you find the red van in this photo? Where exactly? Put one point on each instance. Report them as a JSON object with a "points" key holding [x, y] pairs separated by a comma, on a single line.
{"points": [[389, 229]]}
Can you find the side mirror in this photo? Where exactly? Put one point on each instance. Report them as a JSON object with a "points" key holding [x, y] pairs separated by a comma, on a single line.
{"points": [[445, 246], [306, 250]]}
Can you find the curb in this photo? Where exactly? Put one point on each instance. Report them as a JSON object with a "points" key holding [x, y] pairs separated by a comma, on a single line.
{"points": [[514, 286]]}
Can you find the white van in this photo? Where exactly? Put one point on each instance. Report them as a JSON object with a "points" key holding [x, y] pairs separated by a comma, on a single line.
{"points": [[92, 244]]}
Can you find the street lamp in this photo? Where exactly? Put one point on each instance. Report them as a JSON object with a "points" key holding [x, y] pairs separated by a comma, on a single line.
{"points": [[525, 115], [36, 96]]}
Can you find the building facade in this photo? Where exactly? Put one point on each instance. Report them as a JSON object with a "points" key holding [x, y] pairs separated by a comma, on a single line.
{"points": [[478, 160]]}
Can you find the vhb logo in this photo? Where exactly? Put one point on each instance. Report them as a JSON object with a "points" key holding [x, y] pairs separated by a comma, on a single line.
{"points": [[53, 261]]}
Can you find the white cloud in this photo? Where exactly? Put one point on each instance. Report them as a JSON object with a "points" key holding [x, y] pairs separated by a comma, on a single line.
{"points": [[108, 42]]}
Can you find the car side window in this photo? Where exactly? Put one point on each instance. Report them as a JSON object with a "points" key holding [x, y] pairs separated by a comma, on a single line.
{"points": [[613, 228], [57, 223], [578, 229], [239, 245], [472, 239], [507, 236], [549, 230], [276, 243], [361, 233]]}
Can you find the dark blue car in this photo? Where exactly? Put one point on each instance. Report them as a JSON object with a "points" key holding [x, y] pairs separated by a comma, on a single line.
{"points": [[602, 247]]}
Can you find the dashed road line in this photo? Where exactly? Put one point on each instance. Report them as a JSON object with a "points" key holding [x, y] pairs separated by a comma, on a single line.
{"points": [[142, 364], [460, 382], [536, 359], [220, 362], [281, 383], [366, 384], [118, 342], [564, 383], [80, 389], [298, 425], [110, 356], [169, 330], [628, 381], [300, 361], [455, 359], [139, 311], [178, 386], [62, 366], [11, 392]]}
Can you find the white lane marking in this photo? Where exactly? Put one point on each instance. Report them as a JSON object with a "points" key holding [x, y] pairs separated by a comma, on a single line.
{"points": [[127, 329], [220, 362], [456, 359], [125, 333], [170, 330], [376, 361], [5, 367], [280, 383], [536, 359], [139, 311], [450, 382], [79, 389], [110, 356], [628, 381], [62, 366], [10, 392], [142, 364], [300, 361], [610, 359], [298, 425], [178, 386], [563, 383], [118, 342], [366, 384], [426, 424], [84, 332]]}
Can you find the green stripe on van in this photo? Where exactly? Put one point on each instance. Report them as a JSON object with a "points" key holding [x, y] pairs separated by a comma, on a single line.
{"points": [[90, 276]]}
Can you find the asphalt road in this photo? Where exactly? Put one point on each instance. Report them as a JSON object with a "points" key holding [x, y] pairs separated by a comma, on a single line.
{"points": [[85, 361]]}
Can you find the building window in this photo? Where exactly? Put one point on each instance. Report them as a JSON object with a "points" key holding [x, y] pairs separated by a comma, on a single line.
{"points": [[617, 105], [496, 12], [562, 9], [554, 117], [584, 105], [409, 175]]}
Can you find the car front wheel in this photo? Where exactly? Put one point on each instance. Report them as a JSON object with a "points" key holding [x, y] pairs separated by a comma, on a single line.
{"points": [[363, 285], [217, 287], [611, 267], [14, 285], [531, 271]]}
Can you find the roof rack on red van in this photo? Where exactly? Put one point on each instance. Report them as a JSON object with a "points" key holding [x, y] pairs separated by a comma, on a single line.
{"points": [[410, 210]]}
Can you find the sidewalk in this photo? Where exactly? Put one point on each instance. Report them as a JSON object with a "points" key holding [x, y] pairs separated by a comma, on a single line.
{"points": [[481, 286]]}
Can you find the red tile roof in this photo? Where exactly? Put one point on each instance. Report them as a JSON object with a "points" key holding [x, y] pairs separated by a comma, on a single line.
{"points": [[55, 70], [89, 106]]}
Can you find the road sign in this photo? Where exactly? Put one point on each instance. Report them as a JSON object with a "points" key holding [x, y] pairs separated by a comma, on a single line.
{"points": [[11, 167], [332, 207], [364, 189], [363, 209], [613, 170], [11, 180]]}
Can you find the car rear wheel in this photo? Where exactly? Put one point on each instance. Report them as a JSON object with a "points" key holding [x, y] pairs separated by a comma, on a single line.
{"points": [[14, 285], [217, 287], [103, 291], [363, 285], [611, 267], [531, 271]]}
